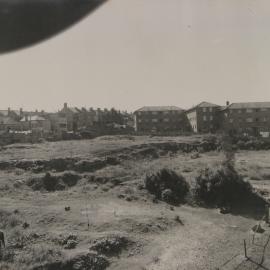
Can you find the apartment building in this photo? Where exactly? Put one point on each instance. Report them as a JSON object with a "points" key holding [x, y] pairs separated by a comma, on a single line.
{"points": [[204, 117], [160, 119], [247, 117]]}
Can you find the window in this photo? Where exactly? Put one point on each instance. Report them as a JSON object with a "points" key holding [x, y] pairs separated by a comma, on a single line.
{"points": [[166, 120], [139, 113], [231, 120], [154, 113], [263, 109], [204, 109], [265, 119], [205, 118], [249, 120], [210, 109], [249, 110], [154, 120], [165, 112], [140, 120], [211, 118], [239, 111]]}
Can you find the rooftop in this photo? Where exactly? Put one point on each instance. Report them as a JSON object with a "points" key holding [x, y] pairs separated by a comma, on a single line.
{"points": [[204, 104], [247, 105], [159, 109], [33, 118]]}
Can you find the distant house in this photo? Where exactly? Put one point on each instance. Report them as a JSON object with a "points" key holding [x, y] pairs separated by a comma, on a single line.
{"points": [[247, 117], [58, 123], [36, 123], [13, 114], [72, 117], [7, 123], [159, 119], [204, 117]]}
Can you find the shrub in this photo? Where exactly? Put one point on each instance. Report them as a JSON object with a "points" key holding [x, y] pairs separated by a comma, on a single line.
{"points": [[38, 255], [6, 255], [167, 185], [51, 182], [70, 179], [223, 187], [18, 239], [8, 220], [110, 245]]}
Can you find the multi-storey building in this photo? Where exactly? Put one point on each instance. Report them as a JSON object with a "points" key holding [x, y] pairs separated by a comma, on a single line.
{"points": [[249, 117], [160, 119], [204, 117]]}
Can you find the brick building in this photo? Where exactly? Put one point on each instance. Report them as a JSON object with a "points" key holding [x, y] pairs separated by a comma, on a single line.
{"points": [[160, 119], [204, 117], [249, 117]]}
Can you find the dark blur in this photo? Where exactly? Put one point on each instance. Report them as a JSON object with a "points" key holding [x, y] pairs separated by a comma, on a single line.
{"points": [[25, 22]]}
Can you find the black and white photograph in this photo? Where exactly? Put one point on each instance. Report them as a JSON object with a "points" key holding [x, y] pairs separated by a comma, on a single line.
{"points": [[134, 135]]}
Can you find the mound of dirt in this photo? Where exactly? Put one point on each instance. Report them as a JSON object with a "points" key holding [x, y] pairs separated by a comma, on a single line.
{"points": [[60, 164], [54, 182], [110, 245]]}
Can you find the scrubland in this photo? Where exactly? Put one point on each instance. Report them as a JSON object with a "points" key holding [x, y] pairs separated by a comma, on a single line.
{"points": [[84, 205]]}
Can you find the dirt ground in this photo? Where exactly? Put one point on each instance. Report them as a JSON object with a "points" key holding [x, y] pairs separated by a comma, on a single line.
{"points": [[109, 200]]}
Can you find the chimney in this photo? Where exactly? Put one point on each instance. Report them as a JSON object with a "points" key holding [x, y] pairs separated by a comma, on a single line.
{"points": [[65, 105], [227, 103], [21, 111], [8, 111]]}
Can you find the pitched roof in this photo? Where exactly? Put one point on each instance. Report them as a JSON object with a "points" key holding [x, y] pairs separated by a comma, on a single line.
{"points": [[158, 108], [74, 109], [207, 104], [33, 118], [203, 104], [247, 105], [7, 121], [4, 112]]}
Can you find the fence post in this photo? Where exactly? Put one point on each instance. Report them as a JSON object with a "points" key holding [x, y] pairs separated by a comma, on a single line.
{"points": [[245, 248], [267, 213]]}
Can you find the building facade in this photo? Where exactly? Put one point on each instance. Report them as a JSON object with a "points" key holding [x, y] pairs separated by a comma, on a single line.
{"points": [[160, 119], [204, 117], [247, 118]]}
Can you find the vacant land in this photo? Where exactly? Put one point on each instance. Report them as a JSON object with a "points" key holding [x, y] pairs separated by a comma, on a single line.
{"points": [[61, 200]]}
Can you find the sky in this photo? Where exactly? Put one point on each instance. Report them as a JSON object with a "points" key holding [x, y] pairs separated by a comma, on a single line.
{"points": [[134, 53]]}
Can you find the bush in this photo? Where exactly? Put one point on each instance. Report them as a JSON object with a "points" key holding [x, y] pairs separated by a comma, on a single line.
{"points": [[167, 185], [51, 182], [223, 187], [110, 245], [8, 220], [70, 179]]}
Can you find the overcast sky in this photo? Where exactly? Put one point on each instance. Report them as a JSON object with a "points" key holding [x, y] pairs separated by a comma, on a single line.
{"points": [[131, 53]]}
